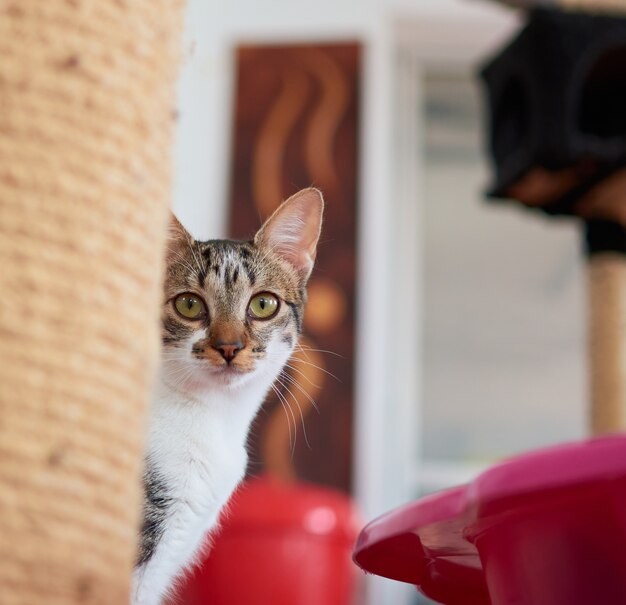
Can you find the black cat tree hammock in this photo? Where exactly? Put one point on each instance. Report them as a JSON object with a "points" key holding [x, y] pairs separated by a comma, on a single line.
{"points": [[548, 527]]}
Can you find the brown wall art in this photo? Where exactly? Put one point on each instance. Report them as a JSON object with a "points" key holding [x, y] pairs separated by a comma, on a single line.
{"points": [[296, 125]]}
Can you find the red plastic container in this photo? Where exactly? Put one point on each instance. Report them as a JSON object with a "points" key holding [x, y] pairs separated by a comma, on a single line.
{"points": [[280, 544], [545, 528]]}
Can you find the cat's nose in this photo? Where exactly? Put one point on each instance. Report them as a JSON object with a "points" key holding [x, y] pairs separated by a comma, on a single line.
{"points": [[228, 350]]}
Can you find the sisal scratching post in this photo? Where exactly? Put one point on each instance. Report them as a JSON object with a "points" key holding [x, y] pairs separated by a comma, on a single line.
{"points": [[607, 341], [86, 99], [606, 287]]}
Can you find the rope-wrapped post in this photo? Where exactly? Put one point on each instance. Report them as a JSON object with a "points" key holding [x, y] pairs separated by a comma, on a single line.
{"points": [[86, 122], [607, 341], [606, 287], [606, 271]]}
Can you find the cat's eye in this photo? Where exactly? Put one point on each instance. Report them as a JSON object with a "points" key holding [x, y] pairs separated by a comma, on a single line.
{"points": [[263, 306], [189, 306]]}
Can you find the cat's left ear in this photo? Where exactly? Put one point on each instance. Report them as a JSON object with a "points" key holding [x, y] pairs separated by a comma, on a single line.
{"points": [[293, 230], [178, 238]]}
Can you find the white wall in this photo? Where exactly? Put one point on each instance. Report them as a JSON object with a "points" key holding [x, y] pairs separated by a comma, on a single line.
{"points": [[204, 94], [205, 91]]}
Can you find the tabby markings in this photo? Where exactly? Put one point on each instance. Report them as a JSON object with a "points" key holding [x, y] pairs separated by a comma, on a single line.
{"points": [[296, 315], [156, 504]]}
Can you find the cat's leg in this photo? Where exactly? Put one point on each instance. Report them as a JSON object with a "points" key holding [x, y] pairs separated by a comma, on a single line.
{"points": [[176, 552], [149, 584]]}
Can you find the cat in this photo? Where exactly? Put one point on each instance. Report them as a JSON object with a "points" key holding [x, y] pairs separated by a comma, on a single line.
{"points": [[231, 318]]}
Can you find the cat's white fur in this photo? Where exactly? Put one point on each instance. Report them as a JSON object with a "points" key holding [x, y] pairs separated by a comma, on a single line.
{"points": [[196, 442]]}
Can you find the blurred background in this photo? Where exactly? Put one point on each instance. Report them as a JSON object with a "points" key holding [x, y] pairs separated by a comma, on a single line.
{"points": [[453, 329]]}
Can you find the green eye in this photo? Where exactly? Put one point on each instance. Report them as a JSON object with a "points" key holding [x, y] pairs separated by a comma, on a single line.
{"points": [[189, 306], [263, 306]]}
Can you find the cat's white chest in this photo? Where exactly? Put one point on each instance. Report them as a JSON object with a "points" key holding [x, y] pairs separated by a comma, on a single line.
{"points": [[198, 453]]}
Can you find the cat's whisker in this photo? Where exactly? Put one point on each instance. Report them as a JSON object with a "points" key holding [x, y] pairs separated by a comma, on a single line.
{"points": [[298, 386], [310, 363], [174, 354], [180, 379], [306, 438], [306, 349], [285, 405], [195, 258], [177, 381], [181, 359], [181, 372], [184, 261], [301, 373]]}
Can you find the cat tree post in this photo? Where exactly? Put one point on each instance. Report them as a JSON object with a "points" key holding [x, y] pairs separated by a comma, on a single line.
{"points": [[86, 100], [558, 138], [606, 287]]}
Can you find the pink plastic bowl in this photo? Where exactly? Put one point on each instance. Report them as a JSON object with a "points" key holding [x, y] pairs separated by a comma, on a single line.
{"points": [[545, 528]]}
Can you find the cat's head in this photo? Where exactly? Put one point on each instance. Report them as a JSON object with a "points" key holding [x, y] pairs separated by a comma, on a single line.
{"points": [[233, 310]]}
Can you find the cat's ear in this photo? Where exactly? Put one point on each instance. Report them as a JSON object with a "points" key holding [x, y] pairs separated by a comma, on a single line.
{"points": [[178, 237], [293, 230]]}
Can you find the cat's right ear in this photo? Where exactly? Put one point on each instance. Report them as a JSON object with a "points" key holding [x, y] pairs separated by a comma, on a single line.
{"points": [[293, 230], [178, 237]]}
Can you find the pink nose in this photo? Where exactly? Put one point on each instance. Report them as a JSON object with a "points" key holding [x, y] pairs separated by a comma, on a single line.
{"points": [[228, 350]]}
